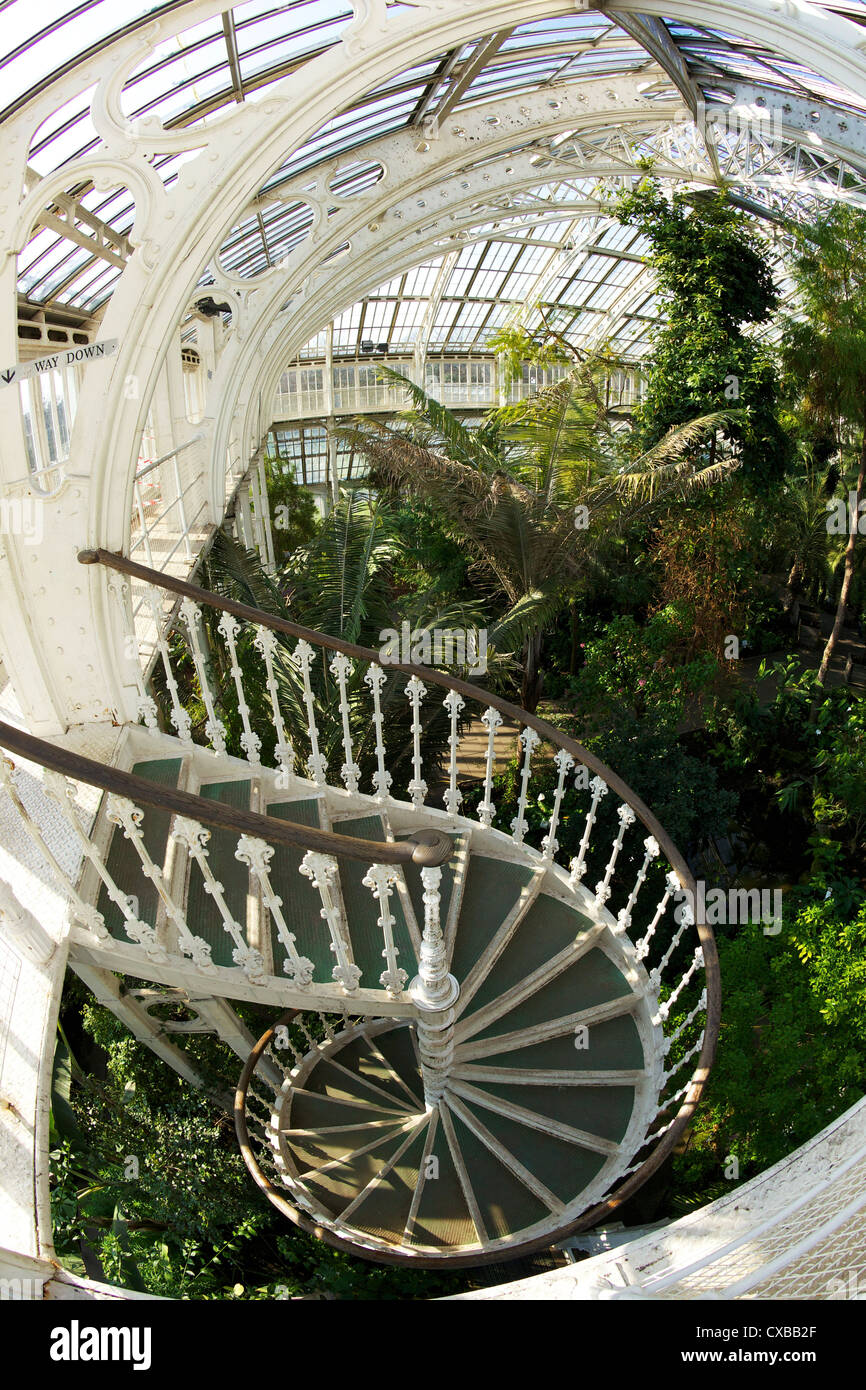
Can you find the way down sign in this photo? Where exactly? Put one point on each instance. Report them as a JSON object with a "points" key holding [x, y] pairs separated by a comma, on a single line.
{"points": [[67, 358]]}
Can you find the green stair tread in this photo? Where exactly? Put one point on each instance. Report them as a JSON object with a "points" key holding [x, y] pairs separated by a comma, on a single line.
{"points": [[566, 1169], [362, 910], [341, 1185], [314, 1150], [593, 979], [123, 863], [506, 1206], [310, 1111], [492, 888], [397, 1046], [385, 1211], [202, 912], [601, 1110], [358, 1056], [549, 927], [442, 1220], [327, 1080], [301, 901], [614, 1045]]}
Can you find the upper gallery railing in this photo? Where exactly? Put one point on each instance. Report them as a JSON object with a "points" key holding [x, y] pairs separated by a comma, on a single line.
{"points": [[313, 391]]}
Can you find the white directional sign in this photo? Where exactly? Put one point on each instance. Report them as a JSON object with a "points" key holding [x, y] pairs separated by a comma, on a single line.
{"points": [[67, 357]]}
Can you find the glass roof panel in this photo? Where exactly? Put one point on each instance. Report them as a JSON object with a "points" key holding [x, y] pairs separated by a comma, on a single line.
{"points": [[189, 77]]}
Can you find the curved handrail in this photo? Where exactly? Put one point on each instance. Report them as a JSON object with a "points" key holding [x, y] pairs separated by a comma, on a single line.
{"points": [[427, 849], [674, 1131]]}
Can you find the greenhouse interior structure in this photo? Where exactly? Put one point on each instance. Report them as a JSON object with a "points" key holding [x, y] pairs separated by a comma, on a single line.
{"points": [[433, 650]]}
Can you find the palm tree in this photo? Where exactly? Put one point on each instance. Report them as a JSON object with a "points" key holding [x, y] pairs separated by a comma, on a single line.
{"points": [[339, 584], [536, 493], [825, 353]]}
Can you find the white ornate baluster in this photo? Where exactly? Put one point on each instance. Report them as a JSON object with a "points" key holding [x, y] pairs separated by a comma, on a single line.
{"points": [[321, 870], [350, 771], [454, 704], [375, 678], [549, 845], [327, 1026], [250, 742], [602, 890], [672, 885], [417, 788], [214, 727], [579, 866], [265, 642], [380, 878], [146, 708], [651, 851], [491, 719], [697, 962], [687, 1057], [121, 811], [179, 717], [434, 992], [84, 912], [301, 1022], [687, 919], [317, 764], [63, 793], [257, 855], [689, 1018], [530, 740], [195, 837]]}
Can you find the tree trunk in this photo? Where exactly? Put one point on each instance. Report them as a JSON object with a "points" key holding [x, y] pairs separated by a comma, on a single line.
{"points": [[848, 579], [530, 691], [572, 665]]}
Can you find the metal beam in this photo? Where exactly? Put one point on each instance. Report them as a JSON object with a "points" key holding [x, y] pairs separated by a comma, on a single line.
{"points": [[231, 39], [474, 65]]}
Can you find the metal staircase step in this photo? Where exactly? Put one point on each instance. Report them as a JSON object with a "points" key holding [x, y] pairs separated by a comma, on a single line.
{"points": [[548, 928], [442, 1219], [564, 1168], [202, 912], [338, 1082], [385, 1207], [398, 1048], [493, 887], [362, 911], [313, 1112], [374, 1064], [123, 862], [591, 980], [505, 1203], [316, 1151], [614, 1043], [301, 903], [338, 1187], [600, 1110]]}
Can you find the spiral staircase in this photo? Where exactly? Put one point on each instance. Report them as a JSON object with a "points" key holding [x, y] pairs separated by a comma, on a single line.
{"points": [[474, 1052]]}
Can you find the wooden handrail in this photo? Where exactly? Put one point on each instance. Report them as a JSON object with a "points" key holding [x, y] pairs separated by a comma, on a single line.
{"points": [[427, 848]]}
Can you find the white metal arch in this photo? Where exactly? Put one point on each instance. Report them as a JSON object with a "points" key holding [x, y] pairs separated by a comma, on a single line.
{"points": [[236, 154]]}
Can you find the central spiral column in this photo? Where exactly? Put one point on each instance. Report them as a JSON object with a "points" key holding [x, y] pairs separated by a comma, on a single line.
{"points": [[434, 992]]}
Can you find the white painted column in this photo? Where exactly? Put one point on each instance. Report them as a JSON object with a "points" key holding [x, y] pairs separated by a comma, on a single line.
{"points": [[434, 992]]}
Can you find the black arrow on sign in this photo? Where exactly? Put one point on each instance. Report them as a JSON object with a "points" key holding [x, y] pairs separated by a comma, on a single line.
{"points": [[7, 376]]}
